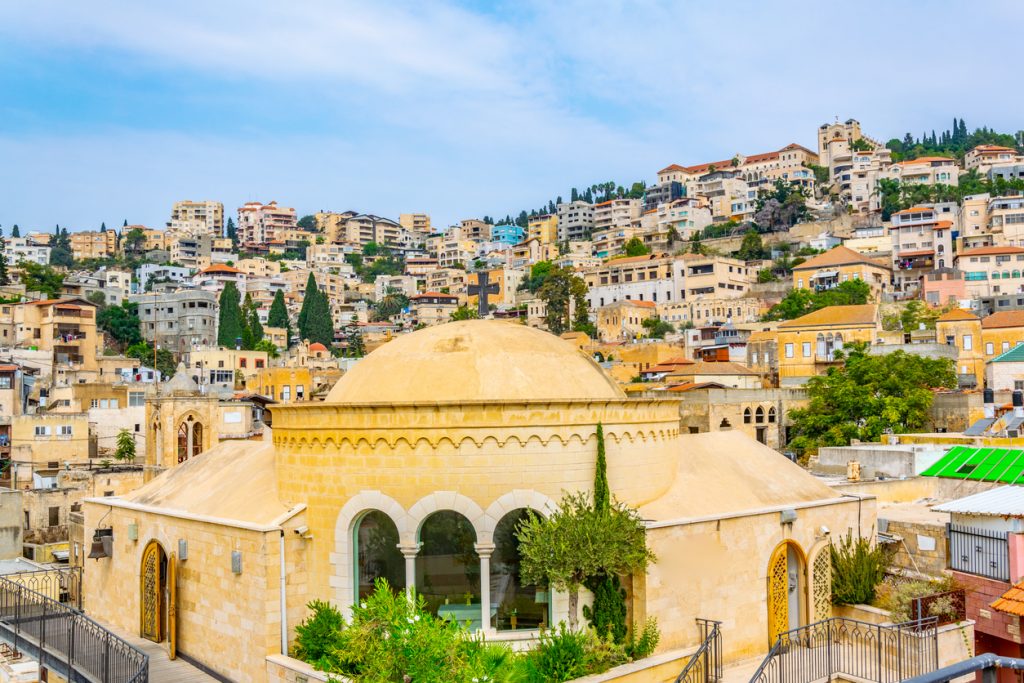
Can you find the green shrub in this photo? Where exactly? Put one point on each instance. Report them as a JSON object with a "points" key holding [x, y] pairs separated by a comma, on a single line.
{"points": [[608, 614], [897, 599], [858, 567], [559, 656], [638, 647], [318, 636]]}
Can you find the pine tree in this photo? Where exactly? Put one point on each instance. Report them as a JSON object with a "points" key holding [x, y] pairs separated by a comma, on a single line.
{"points": [[319, 323], [307, 303], [231, 327], [231, 232], [602, 496], [252, 330], [15, 232], [963, 130], [278, 316], [103, 226], [125, 224]]}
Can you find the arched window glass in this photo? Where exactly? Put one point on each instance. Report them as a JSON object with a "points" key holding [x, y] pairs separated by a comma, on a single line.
{"points": [[182, 442], [197, 438], [759, 415], [995, 274], [376, 553], [746, 416], [517, 605], [448, 569], [771, 414], [1016, 274]]}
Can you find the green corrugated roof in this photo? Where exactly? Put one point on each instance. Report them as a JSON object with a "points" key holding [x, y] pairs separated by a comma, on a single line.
{"points": [[1014, 355], [980, 464]]}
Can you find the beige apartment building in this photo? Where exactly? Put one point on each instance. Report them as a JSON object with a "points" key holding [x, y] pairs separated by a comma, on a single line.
{"points": [[93, 244], [612, 241], [623, 320], [331, 224], [617, 213], [665, 279], [729, 196], [990, 271], [715, 276], [432, 308], [415, 222], [42, 443], [258, 267], [543, 228], [362, 229], [788, 163], [984, 157], [926, 171], [475, 229], [259, 223], [203, 217], [688, 215], [64, 327]]}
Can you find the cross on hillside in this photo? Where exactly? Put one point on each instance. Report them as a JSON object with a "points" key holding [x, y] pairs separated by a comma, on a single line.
{"points": [[483, 289]]}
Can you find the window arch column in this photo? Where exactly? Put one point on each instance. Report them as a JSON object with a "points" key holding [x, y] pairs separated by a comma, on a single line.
{"points": [[484, 552]]}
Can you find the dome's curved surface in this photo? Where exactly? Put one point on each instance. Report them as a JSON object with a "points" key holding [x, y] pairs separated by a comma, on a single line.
{"points": [[474, 360]]}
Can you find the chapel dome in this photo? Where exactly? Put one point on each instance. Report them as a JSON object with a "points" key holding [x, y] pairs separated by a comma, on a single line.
{"points": [[475, 360]]}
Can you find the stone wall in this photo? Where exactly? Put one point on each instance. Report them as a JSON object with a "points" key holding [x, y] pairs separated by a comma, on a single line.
{"points": [[981, 592], [10, 524], [283, 669], [909, 554]]}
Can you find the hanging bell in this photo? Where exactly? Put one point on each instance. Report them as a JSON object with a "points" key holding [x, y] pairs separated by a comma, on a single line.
{"points": [[97, 550]]}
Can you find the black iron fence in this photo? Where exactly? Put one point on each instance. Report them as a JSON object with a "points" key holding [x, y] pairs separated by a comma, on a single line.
{"points": [[838, 646], [979, 551], [63, 585], [948, 607], [705, 665], [64, 640]]}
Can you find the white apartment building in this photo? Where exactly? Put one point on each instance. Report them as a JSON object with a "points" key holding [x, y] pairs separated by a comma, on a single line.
{"points": [[575, 221], [205, 217], [922, 240], [925, 171], [259, 223], [19, 249], [688, 215], [665, 279], [161, 273], [729, 196], [984, 157]]}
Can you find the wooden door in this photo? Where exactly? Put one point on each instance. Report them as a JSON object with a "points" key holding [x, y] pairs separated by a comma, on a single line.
{"points": [[150, 593]]}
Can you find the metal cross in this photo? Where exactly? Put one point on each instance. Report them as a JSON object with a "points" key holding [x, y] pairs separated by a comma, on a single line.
{"points": [[483, 289]]}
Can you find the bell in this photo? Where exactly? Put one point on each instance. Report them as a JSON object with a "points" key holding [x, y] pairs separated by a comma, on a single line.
{"points": [[98, 550]]}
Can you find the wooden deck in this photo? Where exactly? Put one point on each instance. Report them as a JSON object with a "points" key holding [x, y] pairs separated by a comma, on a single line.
{"points": [[162, 669]]}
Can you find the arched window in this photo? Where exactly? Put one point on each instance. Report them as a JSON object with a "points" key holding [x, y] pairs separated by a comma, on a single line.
{"points": [[746, 416], [759, 415], [197, 438], [771, 414], [1016, 274], [995, 274], [822, 350], [375, 542], [448, 568], [183, 442], [518, 605], [724, 424]]}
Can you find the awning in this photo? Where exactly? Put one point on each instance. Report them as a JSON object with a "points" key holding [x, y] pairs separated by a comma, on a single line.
{"points": [[914, 254], [821, 274]]}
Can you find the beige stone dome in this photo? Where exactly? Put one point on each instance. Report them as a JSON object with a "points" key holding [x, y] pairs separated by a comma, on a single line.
{"points": [[475, 360]]}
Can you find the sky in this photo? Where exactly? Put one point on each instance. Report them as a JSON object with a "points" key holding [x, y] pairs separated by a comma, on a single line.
{"points": [[113, 110]]}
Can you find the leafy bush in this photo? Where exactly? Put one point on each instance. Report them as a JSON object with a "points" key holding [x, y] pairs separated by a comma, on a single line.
{"points": [[858, 567], [898, 599], [608, 614], [644, 645], [559, 656], [319, 635]]}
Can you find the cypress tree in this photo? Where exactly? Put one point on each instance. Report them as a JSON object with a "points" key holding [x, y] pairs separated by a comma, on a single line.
{"points": [[307, 302], [602, 496], [5, 278], [252, 330], [278, 316], [15, 232], [230, 323], [319, 322]]}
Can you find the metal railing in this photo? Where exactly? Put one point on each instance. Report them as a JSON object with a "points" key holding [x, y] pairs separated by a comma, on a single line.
{"points": [[948, 607], [705, 665], [979, 551], [988, 664], [64, 640], [838, 646], [63, 585]]}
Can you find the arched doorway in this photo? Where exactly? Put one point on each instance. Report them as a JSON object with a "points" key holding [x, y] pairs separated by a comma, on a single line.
{"points": [[518, 605], [787, 605], [448, 568], [153, 593]]}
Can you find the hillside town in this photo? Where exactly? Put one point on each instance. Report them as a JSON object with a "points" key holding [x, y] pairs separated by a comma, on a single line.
{"points": [[224, 436]]}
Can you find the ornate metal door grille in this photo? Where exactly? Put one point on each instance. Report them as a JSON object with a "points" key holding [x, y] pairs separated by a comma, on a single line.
{"points": [[150, 598], [778, 593]]}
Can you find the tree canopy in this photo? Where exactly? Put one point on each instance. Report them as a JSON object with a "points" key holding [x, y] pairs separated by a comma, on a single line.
{"points": [[60, 248], [565, 294], [752, 248], [143, 352], [657, 328], [121, 323], [278, 316], [636, 247], [39, 278], [868, 396], [953, 143], [315, 321], [799, 301]]}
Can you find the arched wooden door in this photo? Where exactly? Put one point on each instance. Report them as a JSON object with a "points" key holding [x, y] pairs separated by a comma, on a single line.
{"points": [[151, 593], [786, 589]]}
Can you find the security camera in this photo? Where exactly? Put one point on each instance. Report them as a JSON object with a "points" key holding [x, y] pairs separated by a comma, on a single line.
{"points": [[824, 530], [301, 530]]}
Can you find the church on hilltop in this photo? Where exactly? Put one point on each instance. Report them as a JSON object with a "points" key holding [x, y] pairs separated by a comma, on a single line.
{"points": [[417, 468]]}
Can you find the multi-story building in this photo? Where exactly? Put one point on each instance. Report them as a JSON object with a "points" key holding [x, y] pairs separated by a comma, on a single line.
{"points": [[807, 345], [711, 311], [415, 222], [64, 327], [475, 229], [405, 284], [331, 224], [623, 320], [718, 277], [213, 278], [990, 271], [432, 308], [446, 281], [612, 241], [687, 216], [729, 196], [984, 157], [543, 228], [575, 221], [18, 249], [507, 281], [617, 213], [216, 367], [922, 240], [838, 265], [664, 279], [1006, 220], [259, 223], [925, 171], [663, 193], [1007, 172], [284, 385], [204, 217], [509, 233], [93, 244], [789, 163], [180, 320], [363, 229], [191, 251], [149, 273]]}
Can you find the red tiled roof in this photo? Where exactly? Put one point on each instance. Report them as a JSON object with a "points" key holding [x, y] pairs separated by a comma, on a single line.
{"points": [[1012, 601], [219, 268], [991, 251], [432, 295], [1003, 319]]}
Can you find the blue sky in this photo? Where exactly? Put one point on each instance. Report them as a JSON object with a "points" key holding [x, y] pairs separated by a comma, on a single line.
{"points": [[115, 109]]}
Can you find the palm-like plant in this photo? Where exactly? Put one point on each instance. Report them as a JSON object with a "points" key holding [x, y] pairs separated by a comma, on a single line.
{"points": [[391, 304]]}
